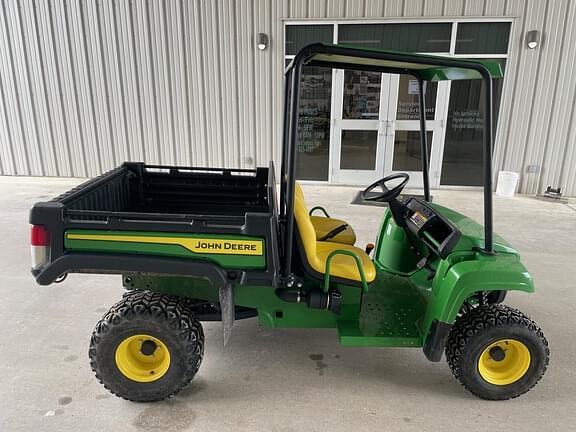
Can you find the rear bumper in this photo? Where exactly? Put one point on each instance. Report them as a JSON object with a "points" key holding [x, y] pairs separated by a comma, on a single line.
{"points": [[118, 264]]}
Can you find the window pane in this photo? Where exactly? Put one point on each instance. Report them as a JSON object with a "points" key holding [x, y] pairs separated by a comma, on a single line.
{"points": [[425, 37], [482, 38], [361, 95], [314, 124], [298, 36], [358, 150], [408, 105], [463, 159], [407, 154]]}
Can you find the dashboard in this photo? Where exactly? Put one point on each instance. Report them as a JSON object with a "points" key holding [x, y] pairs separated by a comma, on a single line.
{"points": [[436, 232]]}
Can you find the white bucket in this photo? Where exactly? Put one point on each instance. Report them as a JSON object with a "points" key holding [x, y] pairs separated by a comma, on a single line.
{"points": [[507, 182]]}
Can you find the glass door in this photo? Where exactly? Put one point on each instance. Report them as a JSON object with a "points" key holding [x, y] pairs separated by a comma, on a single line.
{"points": [[358, 126], [376, 127], [403, 150]]}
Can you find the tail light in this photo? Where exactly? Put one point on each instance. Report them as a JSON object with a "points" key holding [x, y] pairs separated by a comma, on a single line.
{"points": [[40, 246]]}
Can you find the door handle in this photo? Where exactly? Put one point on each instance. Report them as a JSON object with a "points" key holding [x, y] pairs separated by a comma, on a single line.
{"points": [[382, 126], [390, 127]]}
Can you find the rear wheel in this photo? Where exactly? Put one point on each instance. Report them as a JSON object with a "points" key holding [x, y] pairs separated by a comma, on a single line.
{"points": [[146, 347], [497, 352]]}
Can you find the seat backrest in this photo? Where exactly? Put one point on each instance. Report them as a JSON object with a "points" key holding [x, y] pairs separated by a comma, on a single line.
{"points": [[304, 225], [299, 193]]}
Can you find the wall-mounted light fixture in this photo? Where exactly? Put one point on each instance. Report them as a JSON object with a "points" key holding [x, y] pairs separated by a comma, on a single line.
{"points": [[262, 41], [532, 39]]}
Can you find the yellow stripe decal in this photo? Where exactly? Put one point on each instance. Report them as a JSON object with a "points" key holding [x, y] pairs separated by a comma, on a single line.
{"points": [[196, 244]]}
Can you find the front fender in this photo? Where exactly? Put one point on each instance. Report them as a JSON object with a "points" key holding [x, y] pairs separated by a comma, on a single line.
{"points": [[453, 284]]}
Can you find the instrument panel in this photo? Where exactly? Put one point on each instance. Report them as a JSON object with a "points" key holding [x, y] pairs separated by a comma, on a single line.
{"points": [[439, 234]]}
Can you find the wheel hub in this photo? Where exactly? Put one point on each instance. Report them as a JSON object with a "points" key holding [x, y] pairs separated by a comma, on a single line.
{"points": [[142, 358], [504, 362], [497, 353], [148, 347]]}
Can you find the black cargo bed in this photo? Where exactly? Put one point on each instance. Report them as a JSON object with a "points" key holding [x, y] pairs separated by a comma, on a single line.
{"points": [[139, 197], [139, 188]]}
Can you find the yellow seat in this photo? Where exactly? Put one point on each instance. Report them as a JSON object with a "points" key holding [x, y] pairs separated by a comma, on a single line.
{"points": [[324, 225], [317, 252]]}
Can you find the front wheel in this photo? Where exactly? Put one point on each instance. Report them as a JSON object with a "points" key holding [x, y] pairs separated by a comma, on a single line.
{"points": [[497, 352], [146, 347]]}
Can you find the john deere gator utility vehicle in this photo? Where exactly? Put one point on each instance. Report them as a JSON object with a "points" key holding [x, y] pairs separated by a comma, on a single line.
{"points": [[215, 244]]}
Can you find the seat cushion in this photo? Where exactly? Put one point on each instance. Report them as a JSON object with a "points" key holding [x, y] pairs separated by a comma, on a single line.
{"points": [[317, 252], [343, 266], [323, 225]]}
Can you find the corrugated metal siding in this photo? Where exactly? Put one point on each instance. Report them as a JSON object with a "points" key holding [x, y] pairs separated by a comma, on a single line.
{"points": [[85, 85]]}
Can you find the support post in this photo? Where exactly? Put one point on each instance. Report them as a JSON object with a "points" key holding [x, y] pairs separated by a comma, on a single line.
{"points": [[424, 139], [487, 150], [291, 171], [285, 137]]}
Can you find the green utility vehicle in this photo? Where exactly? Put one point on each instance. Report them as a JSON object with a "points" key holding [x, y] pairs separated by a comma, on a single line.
{"points": [[215, 244]]}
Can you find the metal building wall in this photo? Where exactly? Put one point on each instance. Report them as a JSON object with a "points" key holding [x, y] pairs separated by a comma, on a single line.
{"points": [[87, 84]]}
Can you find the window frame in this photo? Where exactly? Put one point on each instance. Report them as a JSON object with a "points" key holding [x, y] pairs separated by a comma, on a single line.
{"points": [[453, 21]]}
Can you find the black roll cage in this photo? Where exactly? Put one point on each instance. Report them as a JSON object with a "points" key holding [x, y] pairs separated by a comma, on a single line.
{"points": [[292, 79]]}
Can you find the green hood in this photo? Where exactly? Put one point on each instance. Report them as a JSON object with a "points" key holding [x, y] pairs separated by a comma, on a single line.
{"points": [[472, 232]]}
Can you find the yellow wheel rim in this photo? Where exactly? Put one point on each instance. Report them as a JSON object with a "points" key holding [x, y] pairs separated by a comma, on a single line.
{"points": [[504, 362], [142, 358]]}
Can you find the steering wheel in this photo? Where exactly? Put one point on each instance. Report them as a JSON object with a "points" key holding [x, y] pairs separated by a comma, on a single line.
{"points": [[387, 195]]}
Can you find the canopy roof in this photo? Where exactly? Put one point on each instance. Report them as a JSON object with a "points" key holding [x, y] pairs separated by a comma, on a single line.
{"points": [[428, 67]]}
